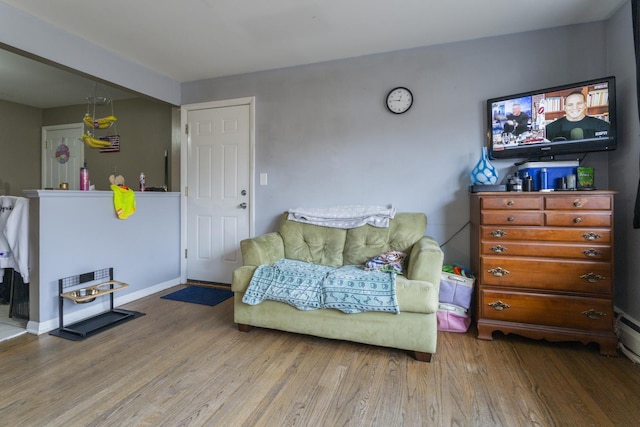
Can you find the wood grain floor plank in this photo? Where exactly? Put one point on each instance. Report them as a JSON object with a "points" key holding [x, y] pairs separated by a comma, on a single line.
{"points": [[187, 365]]}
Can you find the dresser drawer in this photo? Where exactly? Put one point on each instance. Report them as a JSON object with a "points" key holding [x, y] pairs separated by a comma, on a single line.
{"points": [[534, 203], [552, 310], [548, 250], [588, 277], [577, 203], [546, 234], [512, 218], [578, 219]]}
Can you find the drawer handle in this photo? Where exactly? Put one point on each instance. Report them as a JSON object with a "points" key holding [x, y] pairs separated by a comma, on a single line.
{"points": [[510, 203], [594, 314], [592, 277], [577, 220], [498, 233], [498, 271], [577, 203], [511, 218], [498, 305], [592, 252], [498, 249], [591, 236]]}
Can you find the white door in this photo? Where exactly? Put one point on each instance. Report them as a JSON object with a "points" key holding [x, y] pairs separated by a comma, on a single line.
{"points": [[62, 155], [218, 178]]}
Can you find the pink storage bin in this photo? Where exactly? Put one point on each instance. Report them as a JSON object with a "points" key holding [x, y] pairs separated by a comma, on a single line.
{"points": [[452, 318], [456, 289]]}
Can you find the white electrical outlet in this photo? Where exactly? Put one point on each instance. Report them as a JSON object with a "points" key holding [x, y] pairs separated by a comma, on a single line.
{"points": [[263, 178]]}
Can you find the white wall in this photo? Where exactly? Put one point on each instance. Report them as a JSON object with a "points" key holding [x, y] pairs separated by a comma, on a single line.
{"points": [[325, 138]]}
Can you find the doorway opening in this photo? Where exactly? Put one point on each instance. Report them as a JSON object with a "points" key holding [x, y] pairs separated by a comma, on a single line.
{"points": [[14, 305]]}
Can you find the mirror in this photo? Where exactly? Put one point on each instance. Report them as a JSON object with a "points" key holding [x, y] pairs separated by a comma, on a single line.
{"points": [[34, 94]]}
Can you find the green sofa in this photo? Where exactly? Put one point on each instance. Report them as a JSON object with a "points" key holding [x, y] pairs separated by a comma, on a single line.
{"points": [[414, 328]]}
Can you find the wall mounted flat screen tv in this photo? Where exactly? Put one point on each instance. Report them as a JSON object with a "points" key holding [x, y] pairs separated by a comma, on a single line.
{"points": [[570, 119]]}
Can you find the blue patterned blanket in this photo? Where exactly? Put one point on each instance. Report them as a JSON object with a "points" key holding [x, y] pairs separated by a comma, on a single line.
{"points": [[308, 286]]}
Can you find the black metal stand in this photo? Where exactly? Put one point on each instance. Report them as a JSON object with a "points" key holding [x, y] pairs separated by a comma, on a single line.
{"points": [[15, 292], [95, 324]]}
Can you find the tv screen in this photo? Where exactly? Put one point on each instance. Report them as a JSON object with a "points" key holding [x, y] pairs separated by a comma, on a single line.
{"points": [[570, 119]]}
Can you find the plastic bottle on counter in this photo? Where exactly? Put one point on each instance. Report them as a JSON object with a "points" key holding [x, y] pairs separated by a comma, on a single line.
{"points": [[544, 184], [527, 182], [143, 181], [84, 178], [517, 183]]}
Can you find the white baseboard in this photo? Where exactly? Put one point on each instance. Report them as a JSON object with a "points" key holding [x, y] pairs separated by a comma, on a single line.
{"points": [[38, 328], [628, 331]]}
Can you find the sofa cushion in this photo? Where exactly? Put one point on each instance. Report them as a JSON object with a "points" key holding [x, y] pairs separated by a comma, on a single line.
{"points": [[313, 243], [366, 242]]}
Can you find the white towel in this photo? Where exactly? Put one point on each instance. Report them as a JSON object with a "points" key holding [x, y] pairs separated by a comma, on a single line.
{"points": [[349, 216], [14, 235]]}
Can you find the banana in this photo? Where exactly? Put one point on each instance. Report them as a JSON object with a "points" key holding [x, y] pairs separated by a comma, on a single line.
{"points": [[94, 142], [101, 123]]}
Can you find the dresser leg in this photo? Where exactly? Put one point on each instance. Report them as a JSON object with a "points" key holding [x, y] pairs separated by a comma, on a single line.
{"points": [[485, 333], [609, 347]]}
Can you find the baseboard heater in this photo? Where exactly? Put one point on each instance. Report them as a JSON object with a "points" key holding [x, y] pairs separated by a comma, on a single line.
{"points": [[628, 331]]}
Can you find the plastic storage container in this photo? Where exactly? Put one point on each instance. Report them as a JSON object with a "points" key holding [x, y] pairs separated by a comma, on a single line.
{"points": [[452, 318], [555, 170], [455, 289]]}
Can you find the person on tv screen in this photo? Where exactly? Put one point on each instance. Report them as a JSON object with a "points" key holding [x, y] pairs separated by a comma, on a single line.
{"points": [[517, 120], [576, 124]]}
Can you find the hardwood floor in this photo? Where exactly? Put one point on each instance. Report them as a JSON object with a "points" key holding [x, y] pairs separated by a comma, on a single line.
{"points": [[10, 327], [187, 365]]}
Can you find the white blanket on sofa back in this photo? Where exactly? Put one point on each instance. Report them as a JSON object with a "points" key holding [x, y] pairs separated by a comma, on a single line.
{"points": [[350, 216]]}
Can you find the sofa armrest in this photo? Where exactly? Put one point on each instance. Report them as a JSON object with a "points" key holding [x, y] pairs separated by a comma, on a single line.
{"points": [[425, 261], [264, 249]]}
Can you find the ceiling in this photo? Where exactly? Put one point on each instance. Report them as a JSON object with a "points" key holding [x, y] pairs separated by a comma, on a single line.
{"points": [[191, 40]]}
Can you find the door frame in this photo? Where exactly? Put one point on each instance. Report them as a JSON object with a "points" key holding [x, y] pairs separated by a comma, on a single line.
{"points": [[184, 165]]}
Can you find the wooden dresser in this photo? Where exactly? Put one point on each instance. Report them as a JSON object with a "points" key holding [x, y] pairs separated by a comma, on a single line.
{"points": [[544, 265]]}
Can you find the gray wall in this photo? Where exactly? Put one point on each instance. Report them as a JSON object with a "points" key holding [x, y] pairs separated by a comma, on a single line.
{"points": [[19, 148], [623, 166], [325, 137], [144, 127], [143, 249]]}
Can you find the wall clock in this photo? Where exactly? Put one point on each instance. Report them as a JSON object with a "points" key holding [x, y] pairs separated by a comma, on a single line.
{"points": [[399, 100]]}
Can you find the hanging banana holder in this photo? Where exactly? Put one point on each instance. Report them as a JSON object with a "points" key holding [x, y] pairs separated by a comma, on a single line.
{"points": [[93, 124]]}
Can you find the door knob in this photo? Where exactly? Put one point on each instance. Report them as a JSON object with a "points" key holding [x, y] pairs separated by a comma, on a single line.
{"points": [[242, 205], [243, 192]]}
